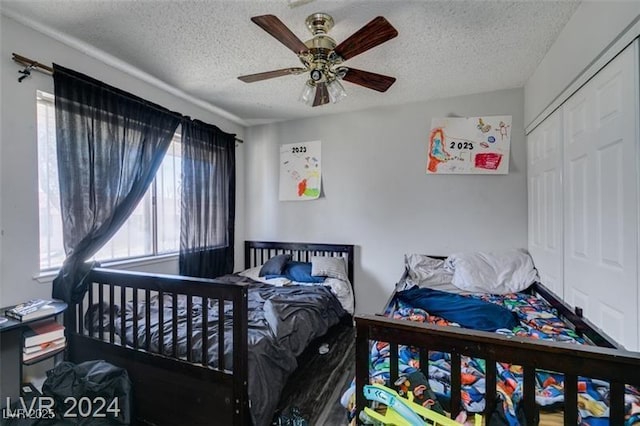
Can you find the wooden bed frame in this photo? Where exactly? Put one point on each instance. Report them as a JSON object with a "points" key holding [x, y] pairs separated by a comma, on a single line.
{"points": [[170, 389], [607, 361]]}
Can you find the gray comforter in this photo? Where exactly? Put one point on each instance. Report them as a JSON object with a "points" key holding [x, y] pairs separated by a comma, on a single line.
{"points": [[282, 322]]}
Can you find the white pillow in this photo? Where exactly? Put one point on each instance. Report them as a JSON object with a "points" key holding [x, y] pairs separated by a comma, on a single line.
{"points": [[332, 267], [252, 273], [496, 273], [425, 271]]}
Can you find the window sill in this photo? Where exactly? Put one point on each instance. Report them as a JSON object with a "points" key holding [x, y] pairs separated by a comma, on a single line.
{"points": [[46, 277]]}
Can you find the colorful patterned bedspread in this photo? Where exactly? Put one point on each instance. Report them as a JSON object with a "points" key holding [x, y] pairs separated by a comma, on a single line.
{"points": [[538, 320]]}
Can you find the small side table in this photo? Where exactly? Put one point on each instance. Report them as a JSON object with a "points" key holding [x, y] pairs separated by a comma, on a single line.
{"points": [[11, 352]]}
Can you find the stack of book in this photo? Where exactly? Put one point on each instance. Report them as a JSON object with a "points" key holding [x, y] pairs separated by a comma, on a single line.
{"points": [[42, 338], [33, 309]]}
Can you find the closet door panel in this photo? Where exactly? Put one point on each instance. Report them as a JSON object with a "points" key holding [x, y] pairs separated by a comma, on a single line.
{"points": [[610, 169], [601, 204], [544, 170], [578, 221]]}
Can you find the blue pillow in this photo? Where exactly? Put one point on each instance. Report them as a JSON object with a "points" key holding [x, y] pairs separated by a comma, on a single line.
{"points": [[469, 312], [301, 272], [298, 271], [275, 265]]}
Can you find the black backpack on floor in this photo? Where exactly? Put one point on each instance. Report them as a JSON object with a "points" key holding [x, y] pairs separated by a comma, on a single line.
{"points": [[93, 393]]}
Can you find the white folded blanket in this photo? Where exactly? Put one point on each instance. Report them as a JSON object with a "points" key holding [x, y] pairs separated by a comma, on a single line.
{"points": [[496, 273]]}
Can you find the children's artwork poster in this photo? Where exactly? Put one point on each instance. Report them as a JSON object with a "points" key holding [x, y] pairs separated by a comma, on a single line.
{"points": [[300, 171], [471, 145]]}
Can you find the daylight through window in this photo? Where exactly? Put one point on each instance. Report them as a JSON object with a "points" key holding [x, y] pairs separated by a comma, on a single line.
{"points": [[154, 226]]}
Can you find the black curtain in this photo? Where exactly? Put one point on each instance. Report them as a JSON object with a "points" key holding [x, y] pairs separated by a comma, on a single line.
{"points": [[109, 145], [208, 200]]}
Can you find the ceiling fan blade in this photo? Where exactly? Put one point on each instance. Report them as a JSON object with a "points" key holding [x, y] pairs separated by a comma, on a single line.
{"points": [[271, 74], [369, 80], [275, 27], [371, 35], [322, 95]]}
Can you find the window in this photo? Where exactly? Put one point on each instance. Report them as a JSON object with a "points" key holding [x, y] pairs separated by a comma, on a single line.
{"points": [[154, 226]]}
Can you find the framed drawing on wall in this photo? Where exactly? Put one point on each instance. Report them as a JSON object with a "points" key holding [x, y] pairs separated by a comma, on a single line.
{"points": [[469, 145], [300, 171]]}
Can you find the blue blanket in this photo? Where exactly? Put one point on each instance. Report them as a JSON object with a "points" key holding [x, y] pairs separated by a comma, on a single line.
{"points": [[469, 312]]}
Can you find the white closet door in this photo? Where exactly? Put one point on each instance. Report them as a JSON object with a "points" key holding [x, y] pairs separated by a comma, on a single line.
{"points": [[544, 175], [601, 201]]}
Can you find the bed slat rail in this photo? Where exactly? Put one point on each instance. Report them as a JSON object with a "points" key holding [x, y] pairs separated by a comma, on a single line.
{"points": [[616, 366], [142, 289], [570, 399], [529, 392], [490, 380], [582, 326], [456, 385]]}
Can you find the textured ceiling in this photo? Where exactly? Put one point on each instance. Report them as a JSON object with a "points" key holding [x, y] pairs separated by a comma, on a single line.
{"points": [[444, 48]]}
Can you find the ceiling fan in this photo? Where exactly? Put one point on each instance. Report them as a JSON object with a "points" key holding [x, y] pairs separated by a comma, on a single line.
{"points": [[322, 58]]}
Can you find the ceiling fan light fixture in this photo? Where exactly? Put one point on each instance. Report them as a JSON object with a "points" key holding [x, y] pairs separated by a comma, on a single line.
{"points": [[308, 93], [315, 74], [340, 72], [336, 91]]}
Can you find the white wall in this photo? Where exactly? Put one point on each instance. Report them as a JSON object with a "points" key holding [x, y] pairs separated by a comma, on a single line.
{"points": [[594, 25], [377, 194], [18, 166]]}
